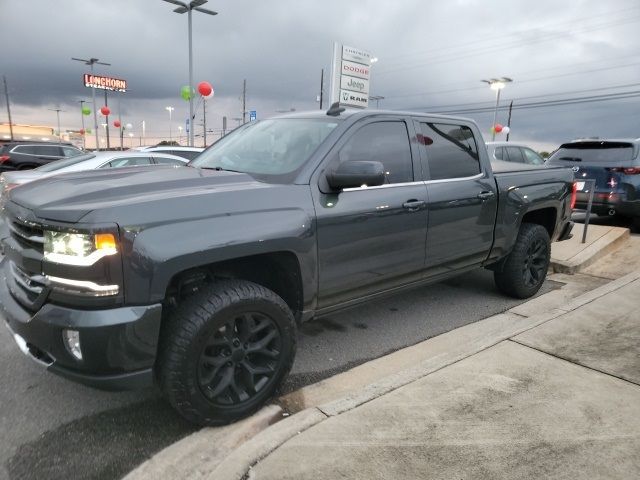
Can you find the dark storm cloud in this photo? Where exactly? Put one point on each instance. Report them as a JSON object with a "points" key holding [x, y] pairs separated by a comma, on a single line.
{"points": [[431, 54]]}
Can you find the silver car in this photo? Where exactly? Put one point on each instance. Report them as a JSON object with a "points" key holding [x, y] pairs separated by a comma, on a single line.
{"points": [[513, 152], [90, 161]]}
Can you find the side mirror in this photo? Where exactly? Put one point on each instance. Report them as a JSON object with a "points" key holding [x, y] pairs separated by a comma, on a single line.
{"points": [[353, 174]]}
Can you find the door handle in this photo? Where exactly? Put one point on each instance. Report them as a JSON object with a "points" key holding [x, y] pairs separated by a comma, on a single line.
{"points": [[413, 205], [486, 195]]}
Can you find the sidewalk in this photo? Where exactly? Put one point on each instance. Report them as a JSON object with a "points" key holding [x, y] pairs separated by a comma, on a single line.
{"points": [[559, 400]]}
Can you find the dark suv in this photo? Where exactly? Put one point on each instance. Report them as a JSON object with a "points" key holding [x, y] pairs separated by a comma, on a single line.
{"points": [[23, 156], [615, 167]]}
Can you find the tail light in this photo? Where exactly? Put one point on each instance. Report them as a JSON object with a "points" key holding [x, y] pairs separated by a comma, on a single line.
{"points": [[626, 170], [574, 195], [4, 158]]}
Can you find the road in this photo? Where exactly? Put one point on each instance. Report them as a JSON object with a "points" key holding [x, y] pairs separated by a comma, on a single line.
{"points": [[52, 428]]}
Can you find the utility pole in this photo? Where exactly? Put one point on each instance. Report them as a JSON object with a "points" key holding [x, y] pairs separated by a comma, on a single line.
{"points": [[509, 120], [84, 141], [57, 110], [204, 122], [244, 101], [6, 96], [106, 104], [321, 86], [224, 126]]}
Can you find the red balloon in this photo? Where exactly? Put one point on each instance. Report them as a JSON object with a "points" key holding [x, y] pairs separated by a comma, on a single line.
{"points": [[117, 124], [105, 111], [205, 89], [82, 131], [498, 128]]}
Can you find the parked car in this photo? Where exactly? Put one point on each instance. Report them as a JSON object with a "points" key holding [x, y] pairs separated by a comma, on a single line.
{"points": [[24, 156], [513, 152], [197, 277], [187, 152], [614, 164]]}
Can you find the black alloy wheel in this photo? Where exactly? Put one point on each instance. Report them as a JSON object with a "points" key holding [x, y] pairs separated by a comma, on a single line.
{"points": [[536, 263], [524, 270], [239, 359], [224, 351]]}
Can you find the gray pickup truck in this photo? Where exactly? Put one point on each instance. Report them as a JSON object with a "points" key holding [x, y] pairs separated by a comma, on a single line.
{"points": [[196, 277]]}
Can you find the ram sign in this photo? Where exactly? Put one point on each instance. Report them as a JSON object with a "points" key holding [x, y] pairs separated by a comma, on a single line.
{"points": [[350, 79], [105, 83]]}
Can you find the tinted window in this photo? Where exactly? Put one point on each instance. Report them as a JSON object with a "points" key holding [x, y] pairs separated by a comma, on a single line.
{"points": [[65, 162], [593, 152], [70, 151], [499, 153], [515, 155], [532, 157], [180, 153], [384, 142], [47, 150], [26, 149], [452, 151], [168, 161], [128, 162]]}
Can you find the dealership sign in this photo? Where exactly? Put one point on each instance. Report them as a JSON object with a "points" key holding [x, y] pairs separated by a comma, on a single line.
{"points": [[105, 83], [350, 76]]}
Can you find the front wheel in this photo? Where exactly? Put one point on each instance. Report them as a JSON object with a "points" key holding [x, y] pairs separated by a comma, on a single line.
{"points": [[225, 350], [523, 272]]}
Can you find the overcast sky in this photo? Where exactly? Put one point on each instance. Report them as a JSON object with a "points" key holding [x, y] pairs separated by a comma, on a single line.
{"points": [[432, 56]]}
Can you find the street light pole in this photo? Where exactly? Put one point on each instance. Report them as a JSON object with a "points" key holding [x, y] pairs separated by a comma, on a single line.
{"points": [[91, 62], [187, 8], [6, 96], [84, 142], [169, 109], [496, 84], [57, 110]]}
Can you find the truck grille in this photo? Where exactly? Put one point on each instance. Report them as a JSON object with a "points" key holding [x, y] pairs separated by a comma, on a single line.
{"points": [[27, 234], [27, 288]]}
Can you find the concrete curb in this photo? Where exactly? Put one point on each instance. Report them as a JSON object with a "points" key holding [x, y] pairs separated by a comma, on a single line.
{"points": [[604, 245], [198, 454], [239, 463]]}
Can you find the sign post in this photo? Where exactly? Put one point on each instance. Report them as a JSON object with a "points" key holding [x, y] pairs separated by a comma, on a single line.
{"points": [[351, 71], [253, 116]]}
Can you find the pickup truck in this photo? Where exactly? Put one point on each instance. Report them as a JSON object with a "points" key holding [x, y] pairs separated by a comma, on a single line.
{"points": [[195, 278]]}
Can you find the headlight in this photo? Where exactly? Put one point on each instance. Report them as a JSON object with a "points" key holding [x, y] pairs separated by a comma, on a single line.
{"points": [[78, 248]]}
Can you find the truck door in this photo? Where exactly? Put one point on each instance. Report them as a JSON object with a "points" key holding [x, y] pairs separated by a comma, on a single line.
{"points": [[372, 238], [462, 197]]}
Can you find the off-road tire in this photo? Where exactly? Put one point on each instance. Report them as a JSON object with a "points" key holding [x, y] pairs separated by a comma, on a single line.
{"points": [[188, 332], [515, 276]]}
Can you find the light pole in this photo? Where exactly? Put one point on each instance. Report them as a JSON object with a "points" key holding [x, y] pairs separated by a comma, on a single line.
{"points": [[496, 84], [84, 136], [170, 110], [377, 98], [91, 62], [187, 8], [57, 110]]}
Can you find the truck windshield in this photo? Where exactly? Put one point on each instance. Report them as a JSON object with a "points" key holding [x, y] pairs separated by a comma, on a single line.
{"points": [[272, 150]]}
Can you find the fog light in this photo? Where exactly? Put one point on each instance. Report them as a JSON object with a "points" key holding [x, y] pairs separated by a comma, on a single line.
{"points": [[72, 342]]}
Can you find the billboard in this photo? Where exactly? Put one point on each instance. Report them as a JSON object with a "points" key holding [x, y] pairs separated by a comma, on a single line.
{"points": [[350, 78], [105, 83]]}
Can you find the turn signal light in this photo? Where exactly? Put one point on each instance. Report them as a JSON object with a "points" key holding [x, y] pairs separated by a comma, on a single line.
{"points": [[574, 195], [105, 241]]}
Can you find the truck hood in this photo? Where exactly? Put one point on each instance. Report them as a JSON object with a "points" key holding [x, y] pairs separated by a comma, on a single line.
{"points": [[71, 196]]}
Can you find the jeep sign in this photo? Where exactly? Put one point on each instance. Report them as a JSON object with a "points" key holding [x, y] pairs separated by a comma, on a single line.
{"points": [[359, 85]]}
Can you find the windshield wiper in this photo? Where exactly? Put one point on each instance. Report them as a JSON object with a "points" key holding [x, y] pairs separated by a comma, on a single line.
{"points": [[219, 169]]}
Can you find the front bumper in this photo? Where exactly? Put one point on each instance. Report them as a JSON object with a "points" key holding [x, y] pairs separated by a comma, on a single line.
{"points": [[118, 345]]}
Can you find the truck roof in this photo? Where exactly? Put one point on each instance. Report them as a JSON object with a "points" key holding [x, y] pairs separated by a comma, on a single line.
{"points": [[352, 112]]}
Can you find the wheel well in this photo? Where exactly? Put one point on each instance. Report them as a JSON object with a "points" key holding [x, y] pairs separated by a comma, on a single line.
{"points": [[278, 271], [545, 217]]}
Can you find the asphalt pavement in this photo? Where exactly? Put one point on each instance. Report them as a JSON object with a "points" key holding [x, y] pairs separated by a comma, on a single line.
{"points": [[53, 428]]}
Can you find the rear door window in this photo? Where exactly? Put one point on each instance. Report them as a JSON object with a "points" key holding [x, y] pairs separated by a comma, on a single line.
{"points": [[499, 153], [70, 151], [532, 157], [25, 149], [515, 154], [128, 162], [47, 150], [451, 149]]}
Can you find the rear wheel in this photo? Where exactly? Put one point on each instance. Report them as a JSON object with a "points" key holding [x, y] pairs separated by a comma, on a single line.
{"points": [[523, 272], [225, 350]]}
